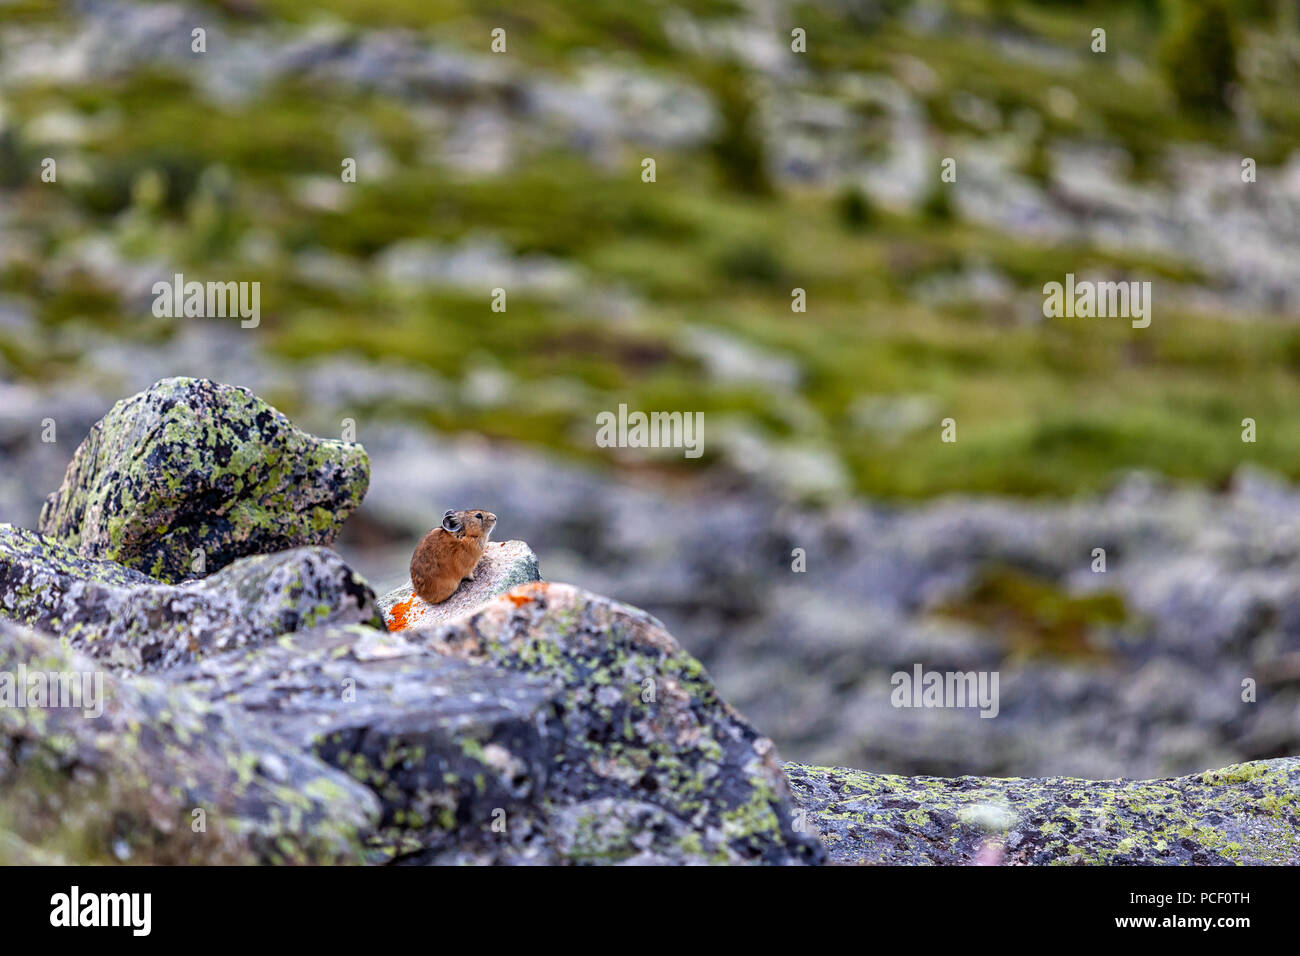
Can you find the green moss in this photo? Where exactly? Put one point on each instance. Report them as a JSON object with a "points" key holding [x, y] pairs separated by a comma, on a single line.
{"points": [[1035, 616], [1043, 409]]}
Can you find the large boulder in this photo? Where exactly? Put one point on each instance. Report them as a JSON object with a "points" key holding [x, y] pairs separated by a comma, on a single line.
{"points": [[189, 475], [504, 565], [448, 748], [1244, 814], [550, 726], [128, 620], [643, 723], [140, 772]]}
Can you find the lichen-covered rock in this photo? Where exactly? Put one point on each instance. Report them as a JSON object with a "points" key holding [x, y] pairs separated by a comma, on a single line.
{"points": [[127, 620], [139, 772], [504, 565], [642, 721], [552, 726], [190, 467], [447, 747], [1247, 814]]}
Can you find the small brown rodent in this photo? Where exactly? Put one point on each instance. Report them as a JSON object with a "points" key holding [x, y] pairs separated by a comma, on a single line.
{"points": [[448, 555]]}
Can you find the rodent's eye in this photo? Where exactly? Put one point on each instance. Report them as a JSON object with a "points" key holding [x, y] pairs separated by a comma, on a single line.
{"points": [[479, 516]]}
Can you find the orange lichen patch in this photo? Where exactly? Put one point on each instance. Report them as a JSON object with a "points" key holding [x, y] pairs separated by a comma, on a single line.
{"points": [[518, 596], [399, 616]]}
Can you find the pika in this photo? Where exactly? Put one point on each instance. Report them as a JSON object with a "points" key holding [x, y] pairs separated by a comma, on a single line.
{"points": [[449, 554]]}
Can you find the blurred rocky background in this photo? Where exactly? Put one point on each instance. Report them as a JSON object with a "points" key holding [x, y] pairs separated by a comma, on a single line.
{"points": [[776, 170]]}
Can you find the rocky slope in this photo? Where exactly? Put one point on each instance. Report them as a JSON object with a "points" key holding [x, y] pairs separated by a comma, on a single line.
{"points": [[1205, 582], [676, 295], [520, 722], [544, 725], [1134, 670]]}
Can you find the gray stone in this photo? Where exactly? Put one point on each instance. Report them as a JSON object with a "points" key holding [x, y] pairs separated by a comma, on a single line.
{"points": [[550, 726], [643, 721], [1243, 814], [444, 745], [130, 621], [192, 467], [156, 776]]}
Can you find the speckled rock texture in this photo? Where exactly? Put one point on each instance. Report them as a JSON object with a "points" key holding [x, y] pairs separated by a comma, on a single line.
{"points": [[152, 774], [643, 724], [192, 467], [448, 748], [1244, 814], [129, 621], [504, 565], [550, 726]]}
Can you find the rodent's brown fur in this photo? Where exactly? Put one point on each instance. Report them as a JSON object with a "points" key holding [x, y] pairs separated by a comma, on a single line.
{"points": [[448, 554]]}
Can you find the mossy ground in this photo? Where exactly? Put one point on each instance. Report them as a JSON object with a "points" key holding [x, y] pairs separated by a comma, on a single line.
{"points": [[1043, 408], [1034, 616]]}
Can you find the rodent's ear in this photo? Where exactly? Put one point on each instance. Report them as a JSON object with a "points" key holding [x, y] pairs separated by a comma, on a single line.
{"points": [[451, 523]]}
